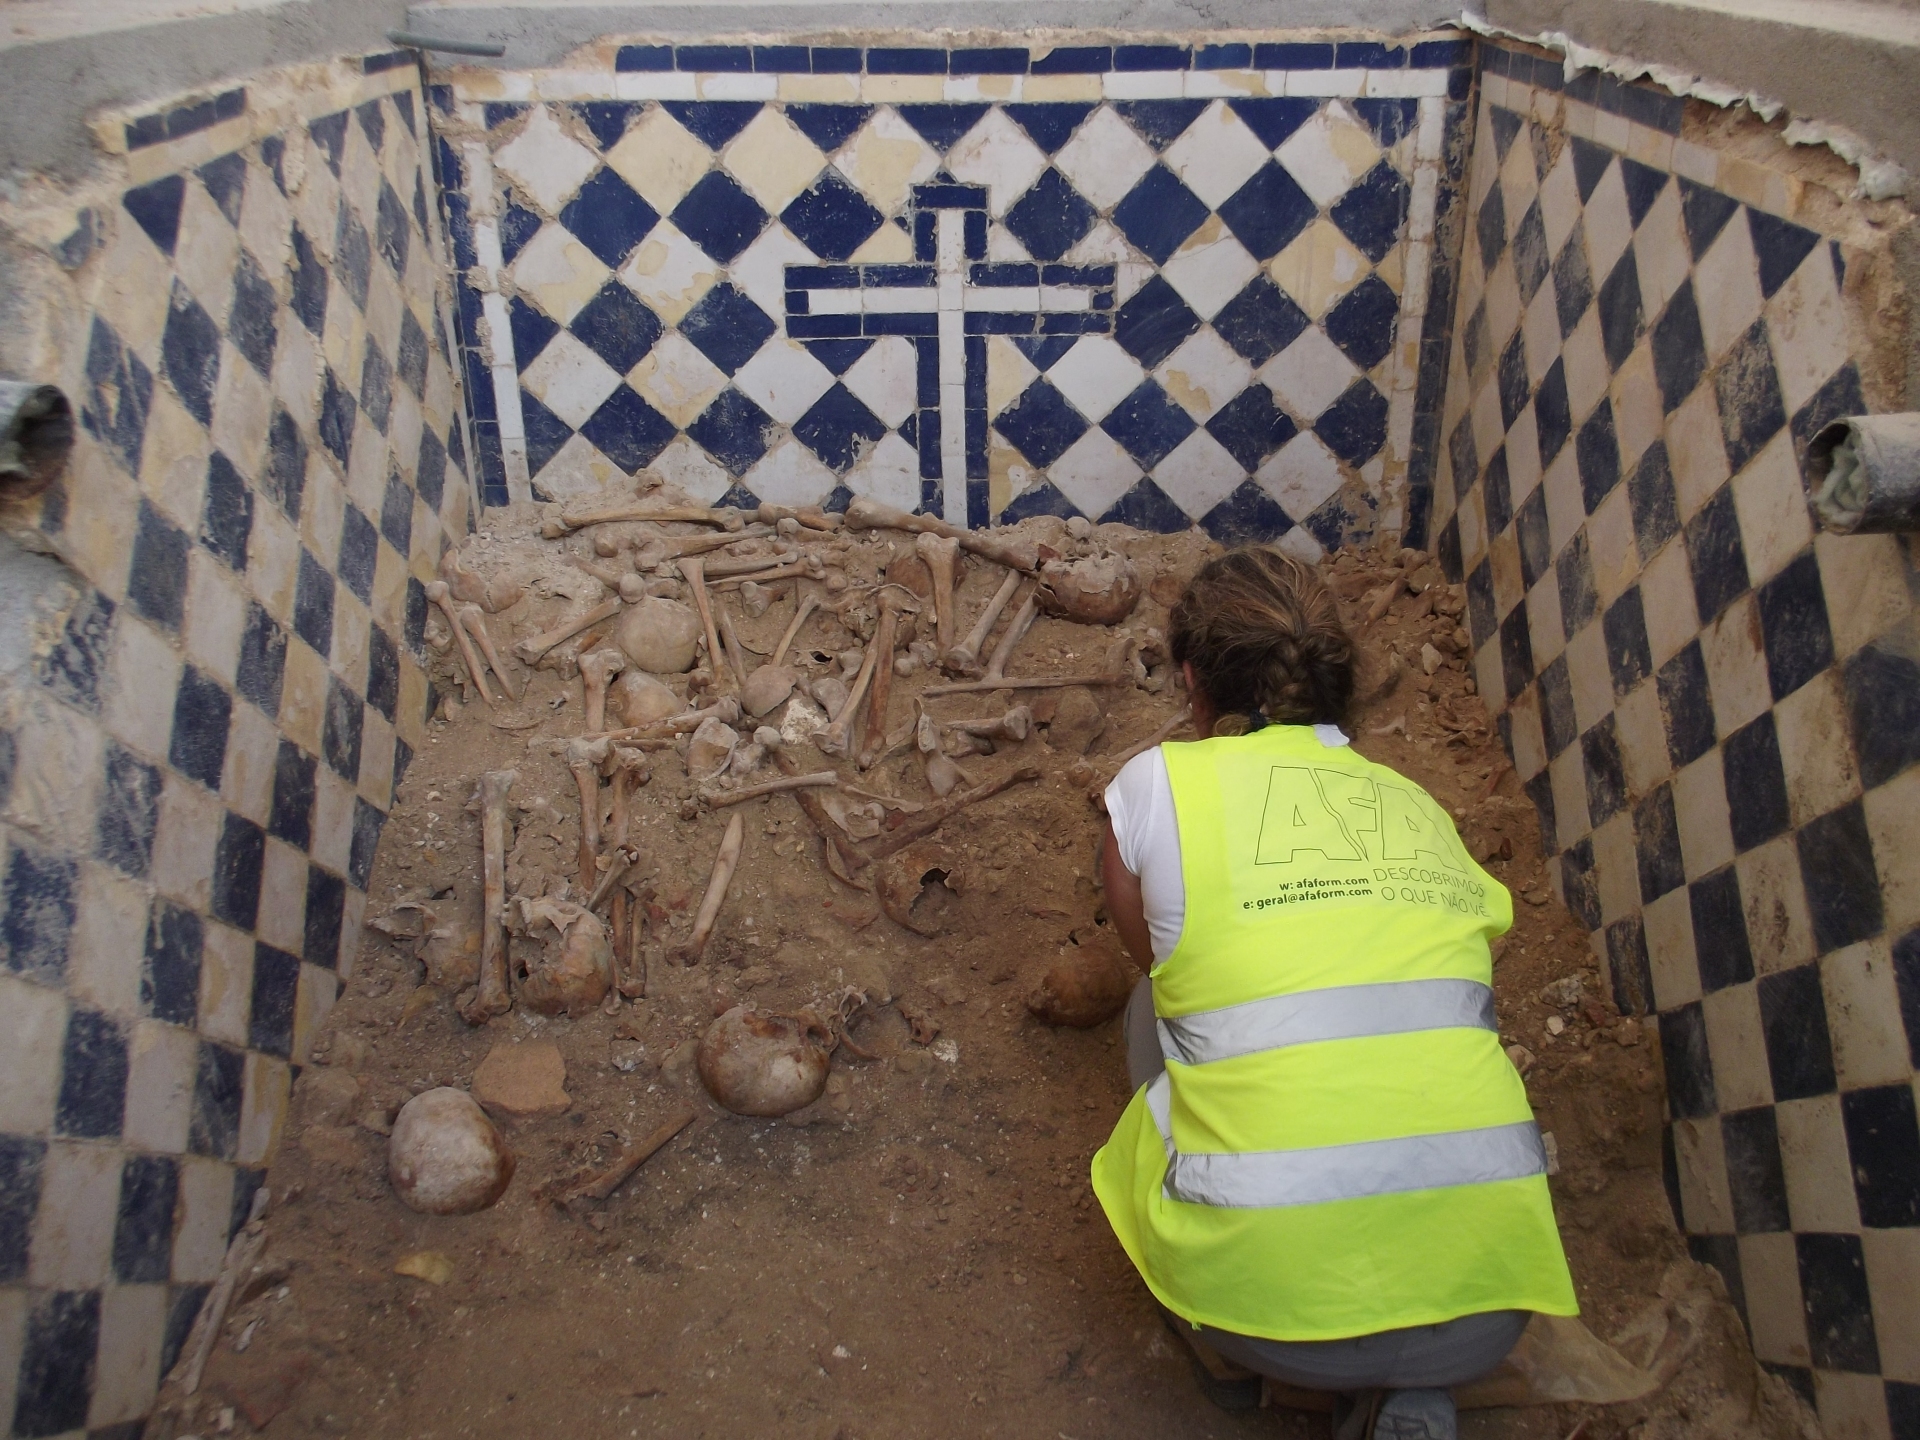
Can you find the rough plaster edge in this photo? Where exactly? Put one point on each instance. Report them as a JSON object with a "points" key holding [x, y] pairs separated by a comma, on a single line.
{"points": [[1880, 178]]}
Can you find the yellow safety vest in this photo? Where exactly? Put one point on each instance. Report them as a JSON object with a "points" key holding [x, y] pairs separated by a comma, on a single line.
{"points": [[1338, 1146]]}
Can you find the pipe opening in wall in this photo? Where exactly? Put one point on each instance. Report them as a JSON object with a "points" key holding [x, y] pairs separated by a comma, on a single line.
{"points": [[1863, 474], [36, 436]]}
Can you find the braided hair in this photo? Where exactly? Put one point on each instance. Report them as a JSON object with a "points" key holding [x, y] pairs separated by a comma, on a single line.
{"points": [[1265, 642]]}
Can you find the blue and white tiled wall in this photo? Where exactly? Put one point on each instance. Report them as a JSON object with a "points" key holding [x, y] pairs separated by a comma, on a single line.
{"points": [[221, 692], [1716, 711], [1163, 284]]}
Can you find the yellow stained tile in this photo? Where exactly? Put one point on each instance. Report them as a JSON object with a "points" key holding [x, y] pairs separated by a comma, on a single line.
{"points": [[1318, 268], [659, 159], [773, 160]]}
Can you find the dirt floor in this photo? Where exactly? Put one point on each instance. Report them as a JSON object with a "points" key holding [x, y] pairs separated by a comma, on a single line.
{"points": [[917, 1252]]}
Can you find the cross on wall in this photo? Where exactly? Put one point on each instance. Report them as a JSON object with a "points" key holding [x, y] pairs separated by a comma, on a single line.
{"points": [[948, 301]]}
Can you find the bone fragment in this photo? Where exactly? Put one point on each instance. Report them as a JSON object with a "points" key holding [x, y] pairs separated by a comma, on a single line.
{"points": [[473, 620], [584, 758], [695, 571], [441, 594], [531, 649], [601, 1184], [806, 607], [242, 1252], [964, 658], [567, 521], [724, 865], [720, 799], [940, 554], [1013, 725], [884, 639], [492, 998], [934, 816], [597, 670], [865, 514], [944, 774]]}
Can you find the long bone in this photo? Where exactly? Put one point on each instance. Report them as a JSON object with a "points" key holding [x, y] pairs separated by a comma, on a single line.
{"points": [[554, 526], [726, 710], [996, 676], [807, 606], [492, 998], [658, 548], [964, 658], [532, 648], [930, 819], [720, 799], [1014, 725], [474, 621], [584, 759], [885, 637], [803, 567], [726, 567], [441, 594], [597, 669], [736, 659], [695, 572], [811, 516], [940, 553], [837, 738], [724, 864], [865, 514]]}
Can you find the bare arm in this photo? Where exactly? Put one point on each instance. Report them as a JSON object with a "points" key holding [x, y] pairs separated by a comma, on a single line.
{"points": [[1124, 904]]}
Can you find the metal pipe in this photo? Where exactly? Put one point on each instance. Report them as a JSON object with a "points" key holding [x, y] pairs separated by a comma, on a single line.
{"points": [[1863, 474], [409, 40], [36, 436]]}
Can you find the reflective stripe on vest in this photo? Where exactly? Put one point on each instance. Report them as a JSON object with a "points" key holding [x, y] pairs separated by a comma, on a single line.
{"points": [[1344, 1012], [1264, 1179]]}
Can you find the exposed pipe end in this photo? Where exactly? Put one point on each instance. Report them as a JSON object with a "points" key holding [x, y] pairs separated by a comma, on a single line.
{"points": [[36, 437], [1863, 474], [408, 40]]}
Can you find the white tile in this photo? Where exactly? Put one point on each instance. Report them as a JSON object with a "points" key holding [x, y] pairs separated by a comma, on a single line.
{"points": [[161, 1064], [1808, 327], [686, 466], [666, 270], [106, 944], [1310, 374], [1301, 474], [1210, 267], [1503, 303], [1518, 181], [889, 473], [33, 1024], [1204, 374], [1105, 159], [772, 160], [677, 380], [1299, 543], [1216, 155], [1670, 952], [996, 153], [660, 159], [1540, 331], [1666, 593], [1705, 1199], [1586, 367], [1775, 1311], [283, 896], [738, 87], [1862, 999], [205, 1211], [1816, 748], [1609, 224], [144, 676], [1610, 540], [784, 379], [886, 159], [570, 380], [1590, 677], [789, 474], [268, 1080], [1096, 375], [1316, 82], [1893, 1259], [1700, 805], [1328, 153], [654, 85], [1569, 787], [1819, 1174], [1198, 474], [1405, 84], [1736, 665], [544, 161], [1143, 84], [133, 1325], [1772, 505], [1094, 472], [1566, 511], [205, 251], [1696, 451], [1726, 286], [72, 1241], [1851, 1407], [561, 274], [1741, 1079], [885, 379], [1660, 252], [1560, 203], [1547, 629]]}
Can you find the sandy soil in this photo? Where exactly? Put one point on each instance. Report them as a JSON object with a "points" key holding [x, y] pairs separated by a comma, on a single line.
{"points": [[918, 1253]]}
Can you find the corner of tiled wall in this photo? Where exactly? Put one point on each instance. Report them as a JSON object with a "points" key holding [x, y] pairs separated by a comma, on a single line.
{"points": [[248, 308], [1715, 709]]}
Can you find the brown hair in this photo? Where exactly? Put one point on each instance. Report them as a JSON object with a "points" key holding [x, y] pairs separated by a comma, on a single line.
{"points": [[1264, 636]]}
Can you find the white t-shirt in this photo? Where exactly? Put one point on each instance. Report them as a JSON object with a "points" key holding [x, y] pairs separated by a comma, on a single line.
{"points": [[1140, 804]]}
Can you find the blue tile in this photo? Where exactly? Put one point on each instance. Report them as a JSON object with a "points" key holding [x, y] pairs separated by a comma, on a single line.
{"points": [[948, 195], [410, 360], [202, 713], [1041, 424], [713, 59], [836, 60], [372, 123], [502, 112], [608, 217], [352, 255], [632, 59], [1293, 56], [1369, 55], [1001, 60], [1041, 499], [1389, 120], [727, 327], [926, 428], [1051, 217], [1748, 389], [383, 673], [1267, 212], [1552, 413], [1248, 516], [226, 181], [941, 125], [147, 130], [713, 122], [1160, 122], [325, 917], [831, 218], [1590, 163], [338, 412], [1370, 213], [1704, 213], [1780, 246], [546, 432], [157, 578], [343, 730], [979, 499], [1355, 426], [276, 982], [518, 225], [1154, 322], [39, 913], [190, 353], [896, 60], [226, 519], [56, 1374], [1158, 214], [782, 60], [359, 552], [1440, 54], [616, 327], [1147, 507], [118, 397], [1597, 451], [1074, 60], [263, 661], [1148, 424], [838, 429], [628, 431], [170, 965], [1251, 426], [329, 132], [829, 126], [733, 430], [802, 326], [1622, 320], [1223, 57], [1274, 120], [376, 387], [719, 216], [1151, 57], [1260, 321], [1362, 323], [128, 813]]}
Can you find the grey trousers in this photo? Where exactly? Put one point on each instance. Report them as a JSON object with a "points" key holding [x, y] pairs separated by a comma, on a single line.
{"points": [[1417, 1358]]}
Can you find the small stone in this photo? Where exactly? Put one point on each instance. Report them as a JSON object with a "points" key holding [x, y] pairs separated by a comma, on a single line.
{"points": [[1555, 1025], [523, 1081], [1431, 659], [328, 1097], [1077, 722], [1627, 1033], [1566, 991], [627, 1056], [1521, 1057]]}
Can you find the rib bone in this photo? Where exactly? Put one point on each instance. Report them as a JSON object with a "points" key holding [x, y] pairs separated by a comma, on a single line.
{"points": [[964, 658], [492, 998], [720, 799]]}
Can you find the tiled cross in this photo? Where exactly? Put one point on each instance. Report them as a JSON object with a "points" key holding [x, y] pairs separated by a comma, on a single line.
{"points": [[949, 301]]}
